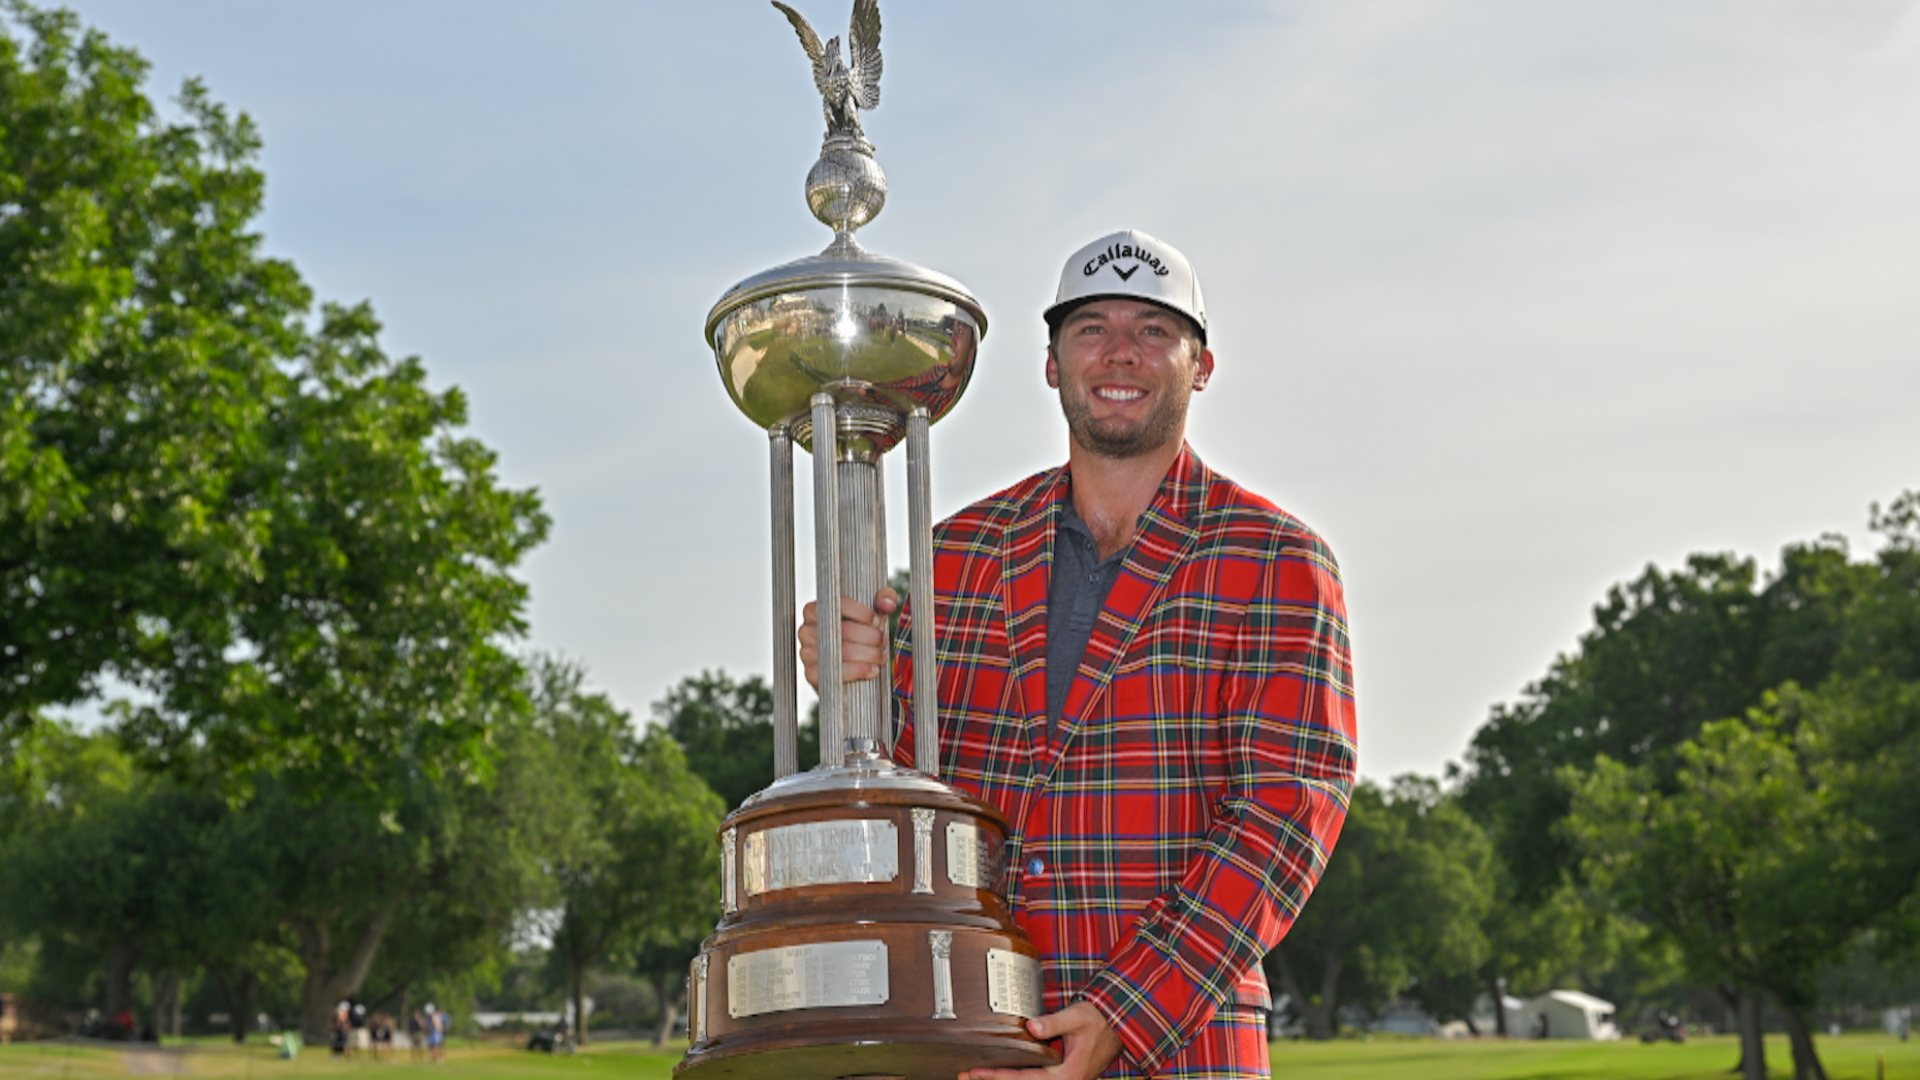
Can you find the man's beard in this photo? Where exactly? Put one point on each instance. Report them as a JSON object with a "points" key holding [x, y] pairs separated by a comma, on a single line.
{"points": [[1119, 438]]}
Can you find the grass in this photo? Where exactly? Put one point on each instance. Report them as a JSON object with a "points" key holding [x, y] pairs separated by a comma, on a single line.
{"points": [[219, 1059], [1847, 1057]]}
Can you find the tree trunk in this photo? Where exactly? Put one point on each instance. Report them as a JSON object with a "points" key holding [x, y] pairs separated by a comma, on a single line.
{"points": [[324, 986], [1324, 1020], [121, 957], [577, 977], [1806, 1061], [166, 1003], [237, 992], [1319, 1015], [1753, 1046], [669, 1007]]}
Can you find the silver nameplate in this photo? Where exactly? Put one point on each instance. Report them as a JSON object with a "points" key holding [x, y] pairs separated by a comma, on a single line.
{"points": [[821, 853], [1013, 983], [972, 863], [822, 976]]}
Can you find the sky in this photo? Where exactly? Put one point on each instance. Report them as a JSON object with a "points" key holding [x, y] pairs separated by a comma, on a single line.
{"points": [[1509, 299]]}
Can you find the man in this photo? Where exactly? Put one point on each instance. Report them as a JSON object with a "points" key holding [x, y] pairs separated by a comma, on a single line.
{"points": [[1145, 667]]}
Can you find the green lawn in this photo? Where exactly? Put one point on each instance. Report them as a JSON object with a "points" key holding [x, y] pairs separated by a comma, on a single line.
{"points": [[1848, 1057]]}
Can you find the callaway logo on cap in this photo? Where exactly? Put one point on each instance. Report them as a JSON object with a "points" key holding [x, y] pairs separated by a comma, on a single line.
{"points": [[1130, 263]]}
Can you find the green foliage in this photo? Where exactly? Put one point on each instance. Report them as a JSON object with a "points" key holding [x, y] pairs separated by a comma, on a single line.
{"points": [[1669, 652], [1752, 849], [1400, 905], [726, 729], [634, 863], [261, 520]]}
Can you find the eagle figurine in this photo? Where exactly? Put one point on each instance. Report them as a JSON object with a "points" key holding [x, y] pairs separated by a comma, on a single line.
{"points": [[846, 87]]}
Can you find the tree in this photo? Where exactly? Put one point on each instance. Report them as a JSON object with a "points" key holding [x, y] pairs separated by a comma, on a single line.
{"points": [[252, 514], [1769, 851], [1401, 902], [635, 867], [260, 519], [726, 729], [1670, 653]]}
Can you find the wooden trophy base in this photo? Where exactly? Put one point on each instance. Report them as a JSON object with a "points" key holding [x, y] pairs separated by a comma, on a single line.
{"points": [[863, 935]]}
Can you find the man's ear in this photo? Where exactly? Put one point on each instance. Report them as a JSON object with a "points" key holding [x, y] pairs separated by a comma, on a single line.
{"points": [[1053, 369], [1203, 369]]}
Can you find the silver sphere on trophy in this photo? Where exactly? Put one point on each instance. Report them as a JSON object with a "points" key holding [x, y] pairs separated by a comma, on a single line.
{"points": [[863, 928]]}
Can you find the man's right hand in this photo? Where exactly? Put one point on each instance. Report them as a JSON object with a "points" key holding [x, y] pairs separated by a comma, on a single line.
{"points": [[863, 637]]}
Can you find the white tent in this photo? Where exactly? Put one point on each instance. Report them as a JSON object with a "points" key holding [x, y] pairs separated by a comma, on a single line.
{"points": [[1565, 1014]]}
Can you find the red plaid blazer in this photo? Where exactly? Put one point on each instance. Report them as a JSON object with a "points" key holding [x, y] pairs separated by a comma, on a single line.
{"points": [[1167, 840]]}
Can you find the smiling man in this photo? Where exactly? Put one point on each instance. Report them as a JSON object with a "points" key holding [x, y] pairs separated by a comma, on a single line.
{"points": [[1145, 667]]}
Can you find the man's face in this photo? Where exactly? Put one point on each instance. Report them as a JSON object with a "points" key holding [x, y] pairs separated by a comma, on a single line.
{"points": [[1125, 370]]}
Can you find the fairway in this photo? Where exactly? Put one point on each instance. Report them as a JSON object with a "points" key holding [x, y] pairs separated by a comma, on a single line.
{"points": [[1848, 1057]]}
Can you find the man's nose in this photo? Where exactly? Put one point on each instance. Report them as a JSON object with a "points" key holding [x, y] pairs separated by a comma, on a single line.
{"points": [[1122, 348]]}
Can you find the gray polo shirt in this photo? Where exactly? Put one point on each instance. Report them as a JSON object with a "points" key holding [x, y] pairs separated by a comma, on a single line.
{"points": [[1077, 592]]}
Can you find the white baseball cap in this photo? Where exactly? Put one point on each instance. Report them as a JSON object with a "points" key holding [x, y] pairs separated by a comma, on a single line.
{"points": [[1130, 263]]}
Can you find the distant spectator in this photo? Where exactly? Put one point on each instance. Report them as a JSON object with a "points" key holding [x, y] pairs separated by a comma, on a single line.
{"points": [[436, 1034], [381, 1025]]}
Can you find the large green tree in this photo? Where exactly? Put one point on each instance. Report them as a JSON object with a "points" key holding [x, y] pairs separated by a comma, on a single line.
{"points": [[1670, 653], [249, 511], [240, 505], [1401, 903], [1746, 861], [639, 870]]}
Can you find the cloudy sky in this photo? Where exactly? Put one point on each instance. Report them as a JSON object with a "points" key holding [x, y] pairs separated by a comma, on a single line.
{"points": [[1510, 298]]}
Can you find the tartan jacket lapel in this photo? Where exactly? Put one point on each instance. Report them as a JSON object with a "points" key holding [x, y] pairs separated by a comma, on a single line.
{"points": [[1165, 537], [1028, 573]]}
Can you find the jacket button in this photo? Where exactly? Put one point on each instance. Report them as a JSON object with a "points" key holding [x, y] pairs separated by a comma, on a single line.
{"points": [[1035, 866]]}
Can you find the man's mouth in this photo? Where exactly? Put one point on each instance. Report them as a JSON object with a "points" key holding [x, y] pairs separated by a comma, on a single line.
{"points": [[1118, 393]]}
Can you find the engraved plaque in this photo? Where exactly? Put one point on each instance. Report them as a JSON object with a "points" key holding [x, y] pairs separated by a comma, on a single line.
{"points": [[821, 853], [1013, 983], [821, 976], [971, 861]]}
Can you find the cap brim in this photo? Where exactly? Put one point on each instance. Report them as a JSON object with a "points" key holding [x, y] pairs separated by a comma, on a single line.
{"points": [[1060, 311]]}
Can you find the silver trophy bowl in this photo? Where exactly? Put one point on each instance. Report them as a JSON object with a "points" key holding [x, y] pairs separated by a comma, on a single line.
{"points": [[884, 337]]}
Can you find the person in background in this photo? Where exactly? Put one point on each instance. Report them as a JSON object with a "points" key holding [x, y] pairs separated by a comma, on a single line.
{"points": [[436, 1034], [417, 1035], [340, 1029]]}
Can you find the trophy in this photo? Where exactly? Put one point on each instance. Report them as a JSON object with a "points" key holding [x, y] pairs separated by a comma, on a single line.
{"points": [[863, 931]]}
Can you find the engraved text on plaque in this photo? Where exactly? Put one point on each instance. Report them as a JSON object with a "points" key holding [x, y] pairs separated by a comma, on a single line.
{"points": [[971, 861], [821, 976], [1013, 983], [821, 853]]}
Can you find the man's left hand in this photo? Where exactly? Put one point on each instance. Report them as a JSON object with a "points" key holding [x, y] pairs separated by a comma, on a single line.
{"points": [[1087, 1047]]}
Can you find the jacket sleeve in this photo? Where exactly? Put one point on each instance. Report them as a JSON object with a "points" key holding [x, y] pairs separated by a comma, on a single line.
{"points": [[1286, 704]]}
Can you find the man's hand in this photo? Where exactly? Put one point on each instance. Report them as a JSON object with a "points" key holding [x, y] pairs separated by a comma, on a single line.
{"points": [[863, 637], [1087, 1047]]}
